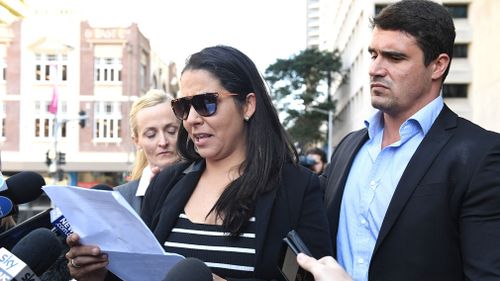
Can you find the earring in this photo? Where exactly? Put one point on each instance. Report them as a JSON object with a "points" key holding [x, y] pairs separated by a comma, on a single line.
{"points": [[247, 118]]}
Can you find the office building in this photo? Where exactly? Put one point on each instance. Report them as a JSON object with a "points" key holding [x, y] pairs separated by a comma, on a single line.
{"points": [[471, 87]]}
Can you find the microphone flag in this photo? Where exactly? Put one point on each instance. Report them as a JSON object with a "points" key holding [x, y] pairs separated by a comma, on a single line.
{"points": [[13, 268]]}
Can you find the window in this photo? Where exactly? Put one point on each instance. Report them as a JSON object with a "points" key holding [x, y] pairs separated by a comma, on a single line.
{"points": [[107, 125], [3, 115], [51, 67], [460, 50], [44, 120], [379, 7], [108, 69], [143, 70], [3, 68], [455, 90], [457, 11]]}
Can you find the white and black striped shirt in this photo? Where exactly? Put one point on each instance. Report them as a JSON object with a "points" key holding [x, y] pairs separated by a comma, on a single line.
{"points": [[225, 255]]}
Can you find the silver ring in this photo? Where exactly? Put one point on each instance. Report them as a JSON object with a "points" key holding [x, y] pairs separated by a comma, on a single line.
{"points": [[73, 264]]}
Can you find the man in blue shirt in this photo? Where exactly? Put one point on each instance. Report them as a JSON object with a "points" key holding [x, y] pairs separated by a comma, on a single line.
{"points": [[416, 194]]}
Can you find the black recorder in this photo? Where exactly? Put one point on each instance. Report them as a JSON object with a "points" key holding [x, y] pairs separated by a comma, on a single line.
{"points": [[290, 270]]}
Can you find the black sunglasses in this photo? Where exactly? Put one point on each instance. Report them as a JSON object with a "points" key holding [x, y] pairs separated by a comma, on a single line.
{"points": [[205, 104]]}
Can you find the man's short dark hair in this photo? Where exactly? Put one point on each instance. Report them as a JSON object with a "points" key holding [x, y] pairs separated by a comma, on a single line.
{"points": [[429, 22], [318, 151]]}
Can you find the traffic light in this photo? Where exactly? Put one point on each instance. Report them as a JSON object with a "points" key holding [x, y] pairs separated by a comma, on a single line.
{"points": [[60, 174], [48, 161], [61, 158], [83, 118]]}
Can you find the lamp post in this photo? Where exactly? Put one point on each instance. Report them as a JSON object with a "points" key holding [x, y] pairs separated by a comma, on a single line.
{"points": [[57, 157], [330, 128]]}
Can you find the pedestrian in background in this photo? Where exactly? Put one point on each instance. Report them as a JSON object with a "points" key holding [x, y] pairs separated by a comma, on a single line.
{"points": [[319, 156]]}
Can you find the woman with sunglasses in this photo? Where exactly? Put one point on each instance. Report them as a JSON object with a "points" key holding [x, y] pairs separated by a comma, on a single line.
{"points": [[239, 190]]}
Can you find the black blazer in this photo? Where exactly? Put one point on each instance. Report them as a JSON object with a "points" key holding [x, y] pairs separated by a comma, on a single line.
{"points": [[295, 204], [443, 222]]}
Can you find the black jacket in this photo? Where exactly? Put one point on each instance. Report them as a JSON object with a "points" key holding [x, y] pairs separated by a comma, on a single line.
{"points": [[295, 204]]}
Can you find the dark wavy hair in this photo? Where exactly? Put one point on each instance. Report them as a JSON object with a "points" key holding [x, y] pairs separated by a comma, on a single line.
{"points": [[429, 22], [268, 147]]}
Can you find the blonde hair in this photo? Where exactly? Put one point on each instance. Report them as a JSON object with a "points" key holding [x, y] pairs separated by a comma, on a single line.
{"points": [[151, 98]]}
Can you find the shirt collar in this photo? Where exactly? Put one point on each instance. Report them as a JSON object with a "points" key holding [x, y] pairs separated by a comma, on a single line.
{"points": [[144, 181], [425, 117]]}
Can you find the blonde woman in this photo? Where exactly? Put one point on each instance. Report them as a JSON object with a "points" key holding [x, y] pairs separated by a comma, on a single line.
{"points": [[154, 131]]}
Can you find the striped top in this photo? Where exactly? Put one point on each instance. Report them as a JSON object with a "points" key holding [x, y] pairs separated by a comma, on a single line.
{"points": [[225, 255]]}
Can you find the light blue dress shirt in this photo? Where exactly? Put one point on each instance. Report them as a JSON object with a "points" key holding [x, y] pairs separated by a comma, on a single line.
{"points": [[372, 180]]}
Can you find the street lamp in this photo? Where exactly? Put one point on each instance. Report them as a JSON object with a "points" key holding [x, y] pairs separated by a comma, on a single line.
{"points": [[330, 128], [55, 156]]}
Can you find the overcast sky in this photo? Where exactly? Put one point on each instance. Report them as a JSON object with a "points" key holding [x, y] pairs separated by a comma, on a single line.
{"points": [[263, 29]]}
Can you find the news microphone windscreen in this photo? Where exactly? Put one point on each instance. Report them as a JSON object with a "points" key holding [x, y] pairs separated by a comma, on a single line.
{"points": [[6, 206], [189, 269], [10, 237], [39, 250], [102, 186], [23, 187]]}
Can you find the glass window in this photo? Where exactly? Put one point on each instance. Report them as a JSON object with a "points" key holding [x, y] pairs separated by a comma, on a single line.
{"points": [[455, 90], [51, 67], [44, 120], [3, 67], [457, 11], [379, 7], [108, 70], [2, 119], [107, 124], [460, 50]]}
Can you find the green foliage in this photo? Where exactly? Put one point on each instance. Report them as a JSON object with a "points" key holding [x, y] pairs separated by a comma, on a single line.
{"points": [[300, 79]]}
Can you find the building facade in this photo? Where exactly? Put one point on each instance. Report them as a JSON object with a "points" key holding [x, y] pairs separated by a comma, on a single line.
{"points": [[65, 94], [470, 88]]}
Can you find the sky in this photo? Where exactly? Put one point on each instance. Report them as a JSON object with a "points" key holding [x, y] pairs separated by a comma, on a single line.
{"points": [[265, 30]]}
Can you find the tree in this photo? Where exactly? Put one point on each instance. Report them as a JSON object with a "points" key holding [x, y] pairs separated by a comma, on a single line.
{"points": [[304, 80]]}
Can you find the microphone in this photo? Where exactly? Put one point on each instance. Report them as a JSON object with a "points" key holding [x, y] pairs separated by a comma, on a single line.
{"points": [[6, 206], [189, 269], [12, 236], [102, 186], [22, 187], [60, 223], [30, 257]]}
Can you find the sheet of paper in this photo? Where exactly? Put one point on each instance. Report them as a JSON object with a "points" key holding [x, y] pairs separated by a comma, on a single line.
{"points": [[104, 218], [141, 267]]}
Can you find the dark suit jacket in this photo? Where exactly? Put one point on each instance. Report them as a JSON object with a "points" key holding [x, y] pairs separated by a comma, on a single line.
{"points": [[128, 191], [294, 204], [443, 222]]}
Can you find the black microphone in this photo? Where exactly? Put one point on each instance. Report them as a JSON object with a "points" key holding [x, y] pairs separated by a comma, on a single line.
{"points": [[10, 237], [31, 256], [102, 186], [189, 269], [6, 207], [22, 187], [39, 249]]}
